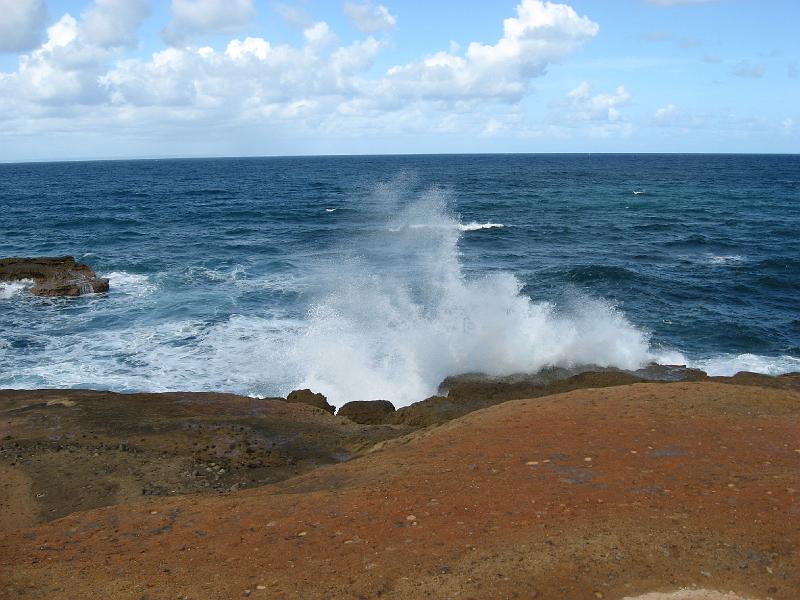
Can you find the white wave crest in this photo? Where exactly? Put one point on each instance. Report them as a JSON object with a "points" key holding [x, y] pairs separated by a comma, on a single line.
{"points": [[10, 289], [723, 259], [478, 226], [131, 284], [730, 364]]}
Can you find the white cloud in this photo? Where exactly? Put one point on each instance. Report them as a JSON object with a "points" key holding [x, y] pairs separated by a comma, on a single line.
{"points": [[598, 107], [541, 34], [667, 115], [22, 24], [195, 18], [369, 18], [793, 70], [746, 69], [111, 23], [596, 114], [79, 81], [319, 34], [250, 79], [64, 70]]}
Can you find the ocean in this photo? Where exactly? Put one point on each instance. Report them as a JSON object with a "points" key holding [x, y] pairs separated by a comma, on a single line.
{"points": [[374, 277]]}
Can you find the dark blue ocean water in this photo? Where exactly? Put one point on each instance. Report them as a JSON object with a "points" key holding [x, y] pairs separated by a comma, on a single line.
{"points": [[369, 277]]}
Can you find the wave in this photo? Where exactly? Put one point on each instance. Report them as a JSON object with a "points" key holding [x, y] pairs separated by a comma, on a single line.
{"points": [[399, 314], [10, 289], [131, 284], [728, 259], [478, 226], [730, 364]]}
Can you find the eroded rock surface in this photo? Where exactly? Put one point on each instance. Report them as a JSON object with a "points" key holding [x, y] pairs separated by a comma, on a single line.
{"points": [[368, 412], [310, 398], [621, 492], [53, 276], [63, 451]]}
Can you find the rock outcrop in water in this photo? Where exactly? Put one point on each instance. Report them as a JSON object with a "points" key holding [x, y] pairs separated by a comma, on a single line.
{"points": [[53, 275]]}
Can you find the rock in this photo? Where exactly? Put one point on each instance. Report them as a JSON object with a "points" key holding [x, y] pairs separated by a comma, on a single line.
{"points": [[785, 381], [656, 372], [367, 412], [310, 398], [53, 276], [467, 393]]}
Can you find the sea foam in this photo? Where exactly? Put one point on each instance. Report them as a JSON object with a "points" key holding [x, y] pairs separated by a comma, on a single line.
{"points": [[10, 289], [478, 226], [730, 364]]}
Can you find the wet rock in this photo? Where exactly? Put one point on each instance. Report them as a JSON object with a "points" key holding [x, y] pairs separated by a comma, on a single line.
{"points": [[310, 398], [368, 412], [467, 393], [656, 372], [785, 381], [53, 276]]}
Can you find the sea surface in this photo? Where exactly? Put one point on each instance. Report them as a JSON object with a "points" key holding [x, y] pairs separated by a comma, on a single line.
{"points": [[376, 277]]}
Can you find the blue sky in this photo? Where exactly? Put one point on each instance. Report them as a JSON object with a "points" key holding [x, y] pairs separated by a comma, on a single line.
{"points": [[140, 78]]}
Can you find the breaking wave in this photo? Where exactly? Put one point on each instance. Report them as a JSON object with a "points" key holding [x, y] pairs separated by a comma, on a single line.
{"points": [[398, 315], [478, 226]]}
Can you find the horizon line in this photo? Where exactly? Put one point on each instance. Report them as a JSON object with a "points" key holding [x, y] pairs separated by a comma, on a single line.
{"points": [[387, 154]]}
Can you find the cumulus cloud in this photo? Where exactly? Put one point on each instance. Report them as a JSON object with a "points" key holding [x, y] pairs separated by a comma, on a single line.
{"points": [[194, 18], [369, 18], [251, 78], [793, 70], [541, 34], [65, 69], [583, 110], [22, 23], [110, 23], [667, 115], [79, 80], [586, 106]]}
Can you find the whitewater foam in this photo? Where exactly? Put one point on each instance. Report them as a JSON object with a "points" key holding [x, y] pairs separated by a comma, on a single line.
{"points": [[131, 284], [10, 289], [730, 364], [478, 226], [726, 259]]}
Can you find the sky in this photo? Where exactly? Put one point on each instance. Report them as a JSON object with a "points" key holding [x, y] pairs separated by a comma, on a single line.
{"points": [[86, 79]]}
